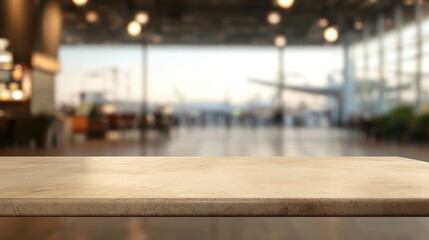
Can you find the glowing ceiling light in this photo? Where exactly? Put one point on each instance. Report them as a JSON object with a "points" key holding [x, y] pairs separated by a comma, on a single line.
{"points": [[280, 41], [142, 17], [285, 4], [91, 17], [134, 28], [331, 34], [358, 25], [323, 22], [80, 3], [274, 18]]}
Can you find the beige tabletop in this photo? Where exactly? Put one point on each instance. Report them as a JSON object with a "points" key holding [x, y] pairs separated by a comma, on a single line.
{"points": [[213, 186]]}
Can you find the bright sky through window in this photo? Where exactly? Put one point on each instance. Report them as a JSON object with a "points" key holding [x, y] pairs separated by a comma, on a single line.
{"points": [[210, 74]]}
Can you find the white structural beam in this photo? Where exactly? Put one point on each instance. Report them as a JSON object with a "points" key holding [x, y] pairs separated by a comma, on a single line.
{"points": [[145, 84], [381, 75], [349, 91], [399, 49], [419, 56], [281, 79], [365, 93]]}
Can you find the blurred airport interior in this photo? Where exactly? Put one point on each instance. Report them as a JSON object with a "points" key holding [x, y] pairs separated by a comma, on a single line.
{"points": [[218, 77], [77, 70]]}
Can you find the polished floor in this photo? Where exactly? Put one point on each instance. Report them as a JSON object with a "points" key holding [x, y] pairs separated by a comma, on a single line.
{"points": [[224, 142], [238, 141], [214, 228]]}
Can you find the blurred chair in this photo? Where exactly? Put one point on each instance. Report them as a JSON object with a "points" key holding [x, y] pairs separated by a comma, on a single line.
{"points": [[80, 125]]}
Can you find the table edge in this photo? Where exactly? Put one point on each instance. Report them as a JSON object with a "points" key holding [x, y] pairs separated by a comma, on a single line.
{"points": [[215, 207]]}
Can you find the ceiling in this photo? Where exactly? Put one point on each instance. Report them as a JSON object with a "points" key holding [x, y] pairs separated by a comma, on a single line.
{"points": [[218, 21]]}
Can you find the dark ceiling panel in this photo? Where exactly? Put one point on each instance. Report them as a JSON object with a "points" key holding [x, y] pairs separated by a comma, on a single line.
{"points": [[214, 21]]}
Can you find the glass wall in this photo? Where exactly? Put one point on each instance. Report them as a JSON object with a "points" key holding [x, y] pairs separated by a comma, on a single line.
{"points": [[399, 69]]}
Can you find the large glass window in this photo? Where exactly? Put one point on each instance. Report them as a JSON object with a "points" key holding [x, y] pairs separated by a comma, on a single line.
{"points": [[408, 59]]}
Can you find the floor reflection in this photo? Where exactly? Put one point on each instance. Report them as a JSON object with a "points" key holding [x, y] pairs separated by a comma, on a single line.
{"points": [[218, 141], [213, 228]]}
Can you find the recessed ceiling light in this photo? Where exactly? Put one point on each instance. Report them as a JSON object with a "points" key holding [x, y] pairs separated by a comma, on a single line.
{"points": [[285, 4], [331, 34], [274, 18], [80, 3], [134, 28], [91, 17], [142, 17], [323, 22], [280, 41], [358, 25]]}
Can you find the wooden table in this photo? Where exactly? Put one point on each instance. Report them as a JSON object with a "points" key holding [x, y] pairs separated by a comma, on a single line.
{"points": [[210, 186]]}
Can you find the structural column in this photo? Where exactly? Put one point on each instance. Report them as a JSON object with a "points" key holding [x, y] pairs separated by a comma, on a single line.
{"points": [[349, 93], [419, 52], [145, 80], [399, 48], [365, 89], [381, 76], [281, 79]]}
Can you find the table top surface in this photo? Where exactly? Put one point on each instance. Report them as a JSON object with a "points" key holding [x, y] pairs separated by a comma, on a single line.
{"points": [[213, 186]]}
